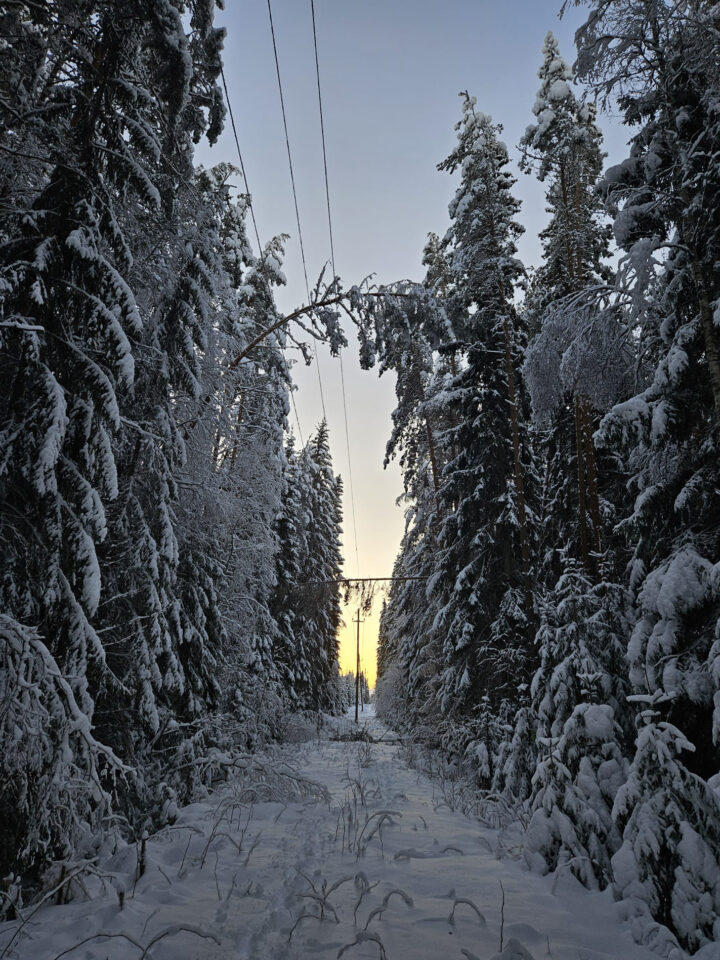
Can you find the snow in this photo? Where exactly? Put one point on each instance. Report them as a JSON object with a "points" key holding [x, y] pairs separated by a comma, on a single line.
{"points": [[404, 874], [599, 721], [659, 421], [677, 586], [44, 474], [677, 362], [558, 90]]}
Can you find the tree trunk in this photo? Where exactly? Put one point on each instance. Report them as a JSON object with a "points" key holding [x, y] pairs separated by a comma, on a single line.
{"points": [[594, 501], [712, 352], [517, 465], [582, 503], [544, 506], [218, 438], [566, 238], [236, 438], [433, 463]]}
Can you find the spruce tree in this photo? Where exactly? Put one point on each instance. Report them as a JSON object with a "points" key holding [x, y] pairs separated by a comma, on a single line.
{"points": [[563, 146], [288, 651], [111, 100], [326, 563], [578, 696], [668, 863], [662, 65], [582, 625], [487, 533], [306, 603]]}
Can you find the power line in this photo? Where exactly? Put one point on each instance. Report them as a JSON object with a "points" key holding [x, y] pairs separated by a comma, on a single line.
{"points": [[242, 165], [297, 418], [257, 234], [289, 154], [350, 476], [317, 367], [322, 134], [294, 192], [332, 261]]}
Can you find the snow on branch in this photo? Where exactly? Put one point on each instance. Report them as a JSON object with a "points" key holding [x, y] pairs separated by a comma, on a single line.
{"points": [[584, 347]]}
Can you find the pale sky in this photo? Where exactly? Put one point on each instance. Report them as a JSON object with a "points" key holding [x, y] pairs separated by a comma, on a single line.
{"points": [[391, 71]]}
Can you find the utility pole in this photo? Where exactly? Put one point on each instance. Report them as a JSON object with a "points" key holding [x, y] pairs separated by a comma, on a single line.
{"points": [[358, 621]]}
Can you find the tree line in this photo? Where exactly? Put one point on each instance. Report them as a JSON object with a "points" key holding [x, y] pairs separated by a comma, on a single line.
{"points": [[157, 526], [557, 429]]}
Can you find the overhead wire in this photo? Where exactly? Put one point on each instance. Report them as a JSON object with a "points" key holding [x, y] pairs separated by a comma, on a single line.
{"points": [[257, 234], [240, 158], [322, 134], [294, 193], [332, 261], [350, 476]]}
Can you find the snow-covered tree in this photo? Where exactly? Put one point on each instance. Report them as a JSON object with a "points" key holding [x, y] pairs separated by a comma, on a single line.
{"points": [[306, 603], [88, 98], [659, 62], [55, 788], [162, 653], [250, 420], [579, 697], [461, 630], [669, 862], [564, 148], [581, 643], [575, 786], [487, 536]]}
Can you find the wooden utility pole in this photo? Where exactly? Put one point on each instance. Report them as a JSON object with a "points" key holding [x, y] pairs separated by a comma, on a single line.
{"points": [[358, 621]]}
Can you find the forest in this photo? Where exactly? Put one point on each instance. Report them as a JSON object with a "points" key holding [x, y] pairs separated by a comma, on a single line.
{"points": [[171, 567]]}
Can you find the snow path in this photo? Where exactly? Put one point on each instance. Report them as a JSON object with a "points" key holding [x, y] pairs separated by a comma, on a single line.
{"points": [[247, 883]]}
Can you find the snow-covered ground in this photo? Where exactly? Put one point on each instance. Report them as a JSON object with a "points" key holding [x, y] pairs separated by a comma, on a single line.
{"points": [[367, 864]]}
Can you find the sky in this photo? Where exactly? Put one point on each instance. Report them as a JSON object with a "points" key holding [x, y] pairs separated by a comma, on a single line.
{"points": [[391, 72]]}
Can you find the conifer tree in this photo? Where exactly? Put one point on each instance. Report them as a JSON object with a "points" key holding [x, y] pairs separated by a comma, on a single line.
{"points": [[487, 533], [288, 650], [661, 62], [99, 88], [326, 563], [163, 655], [233, 496], [414, 339], [564, 147], [578, 696], [668, 863], [306, 604], [583, 626], [575, 785], [251, 463]]}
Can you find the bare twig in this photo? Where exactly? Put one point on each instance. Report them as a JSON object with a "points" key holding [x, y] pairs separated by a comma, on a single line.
{"points": [[502, 916], [468, 903], [364, 886], [364, 937], [378, 911], [67, 878], [169, 932]]}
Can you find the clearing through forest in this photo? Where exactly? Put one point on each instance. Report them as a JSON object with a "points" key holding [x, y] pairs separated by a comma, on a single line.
{"points": [[367, 859]]}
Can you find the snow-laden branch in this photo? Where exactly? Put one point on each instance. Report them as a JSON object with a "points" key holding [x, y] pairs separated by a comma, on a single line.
{"points": [[350, 300]]}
